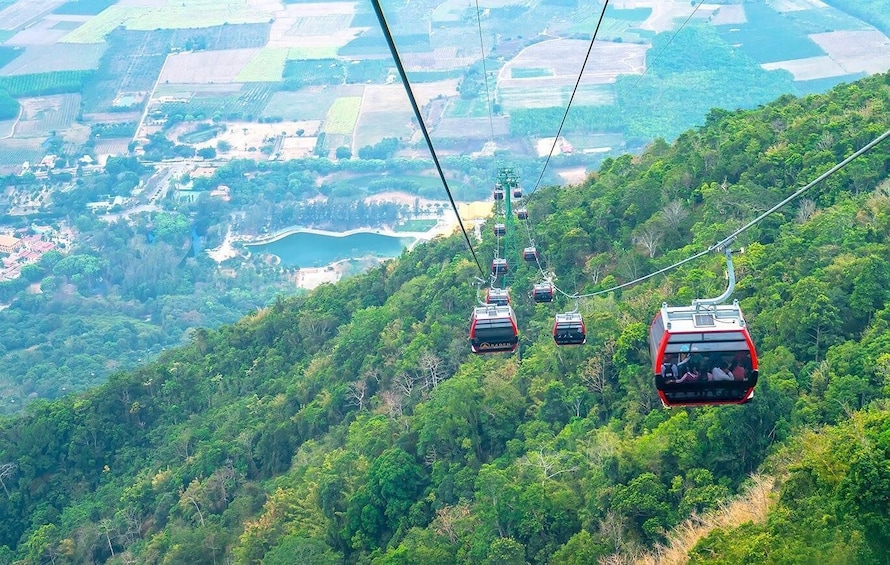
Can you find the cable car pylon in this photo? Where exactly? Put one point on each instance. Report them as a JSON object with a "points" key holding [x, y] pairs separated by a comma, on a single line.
{"points": [[703, 353]]}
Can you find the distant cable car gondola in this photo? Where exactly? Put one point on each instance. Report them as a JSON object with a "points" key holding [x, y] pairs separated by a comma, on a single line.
{"points": [[542, 292], [500, 230], [498, 194], [499, 267], [517, 193], [703, 354], [522, 214], [497, 296], [568, 329], [493, 329], [530, 254]]}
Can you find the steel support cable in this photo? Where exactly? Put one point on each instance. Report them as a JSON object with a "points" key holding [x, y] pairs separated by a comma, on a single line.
{"points": [[571, 98], [485, 73], [723, 243], [426, 134]]}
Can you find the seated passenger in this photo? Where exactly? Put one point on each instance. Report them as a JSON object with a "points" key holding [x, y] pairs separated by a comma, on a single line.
{"points": [[690, 376], [738, 371], [719, 373]]}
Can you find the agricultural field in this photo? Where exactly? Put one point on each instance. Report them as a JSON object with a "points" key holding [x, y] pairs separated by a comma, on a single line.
{"points": [[131, 63], [247, 103], [14, 152], [857, 51], [343, 115], [477, 128], [7, 54], [83, 7], [21, 13], [241, 36], [45, 114], [266, 66], [106, 147], [322, 24], [768, 37], [44, 83], [783, 6], [310, 103], [51, 58], [96, 28], [728, 14], [202, 67], [810, 68], [310, 52]]}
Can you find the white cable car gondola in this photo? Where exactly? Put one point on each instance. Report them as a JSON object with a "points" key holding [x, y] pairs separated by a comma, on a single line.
{"points": [[497, 296]]}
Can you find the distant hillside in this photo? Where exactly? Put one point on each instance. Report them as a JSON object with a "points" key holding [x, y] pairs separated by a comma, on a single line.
{"points": [[353, 425]]}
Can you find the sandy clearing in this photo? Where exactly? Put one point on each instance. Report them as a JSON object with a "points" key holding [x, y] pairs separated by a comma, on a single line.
{"points": [[856, 51], [809, 68]]}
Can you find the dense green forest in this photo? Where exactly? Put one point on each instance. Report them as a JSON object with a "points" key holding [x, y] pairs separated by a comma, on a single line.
{"points": [[353, 425]]}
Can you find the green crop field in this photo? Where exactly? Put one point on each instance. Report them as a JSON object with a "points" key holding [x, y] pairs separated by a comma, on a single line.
{"points": [[202, 13], [768, 36], [44, 83], [96, 28], [342, 115], [267, 66]]}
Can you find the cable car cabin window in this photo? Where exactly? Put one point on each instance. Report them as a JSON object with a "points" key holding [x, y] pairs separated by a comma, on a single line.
{"points": [[493, 330], [568, 329], [712, 377]]}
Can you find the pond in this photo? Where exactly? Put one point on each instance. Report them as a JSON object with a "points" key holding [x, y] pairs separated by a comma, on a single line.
{"points": [[309, 249]]}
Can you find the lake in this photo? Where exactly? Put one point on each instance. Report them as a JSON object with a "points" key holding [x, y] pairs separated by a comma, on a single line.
{"points": [[304, 249]]}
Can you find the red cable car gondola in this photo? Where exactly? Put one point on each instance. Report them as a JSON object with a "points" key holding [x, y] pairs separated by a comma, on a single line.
{"points": [[500, 230], [493, 329], [542, 292], [499, 267], [702, 354], [568, 329], [530, 254], [497, 296]]}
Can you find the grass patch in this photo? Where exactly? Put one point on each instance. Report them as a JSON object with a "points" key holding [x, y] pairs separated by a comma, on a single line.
{"points": [[342, 115], [415, 225], [267, 66]]}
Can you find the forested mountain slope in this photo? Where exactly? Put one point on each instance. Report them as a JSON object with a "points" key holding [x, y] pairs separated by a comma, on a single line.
{"points": [[353, 425]]}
